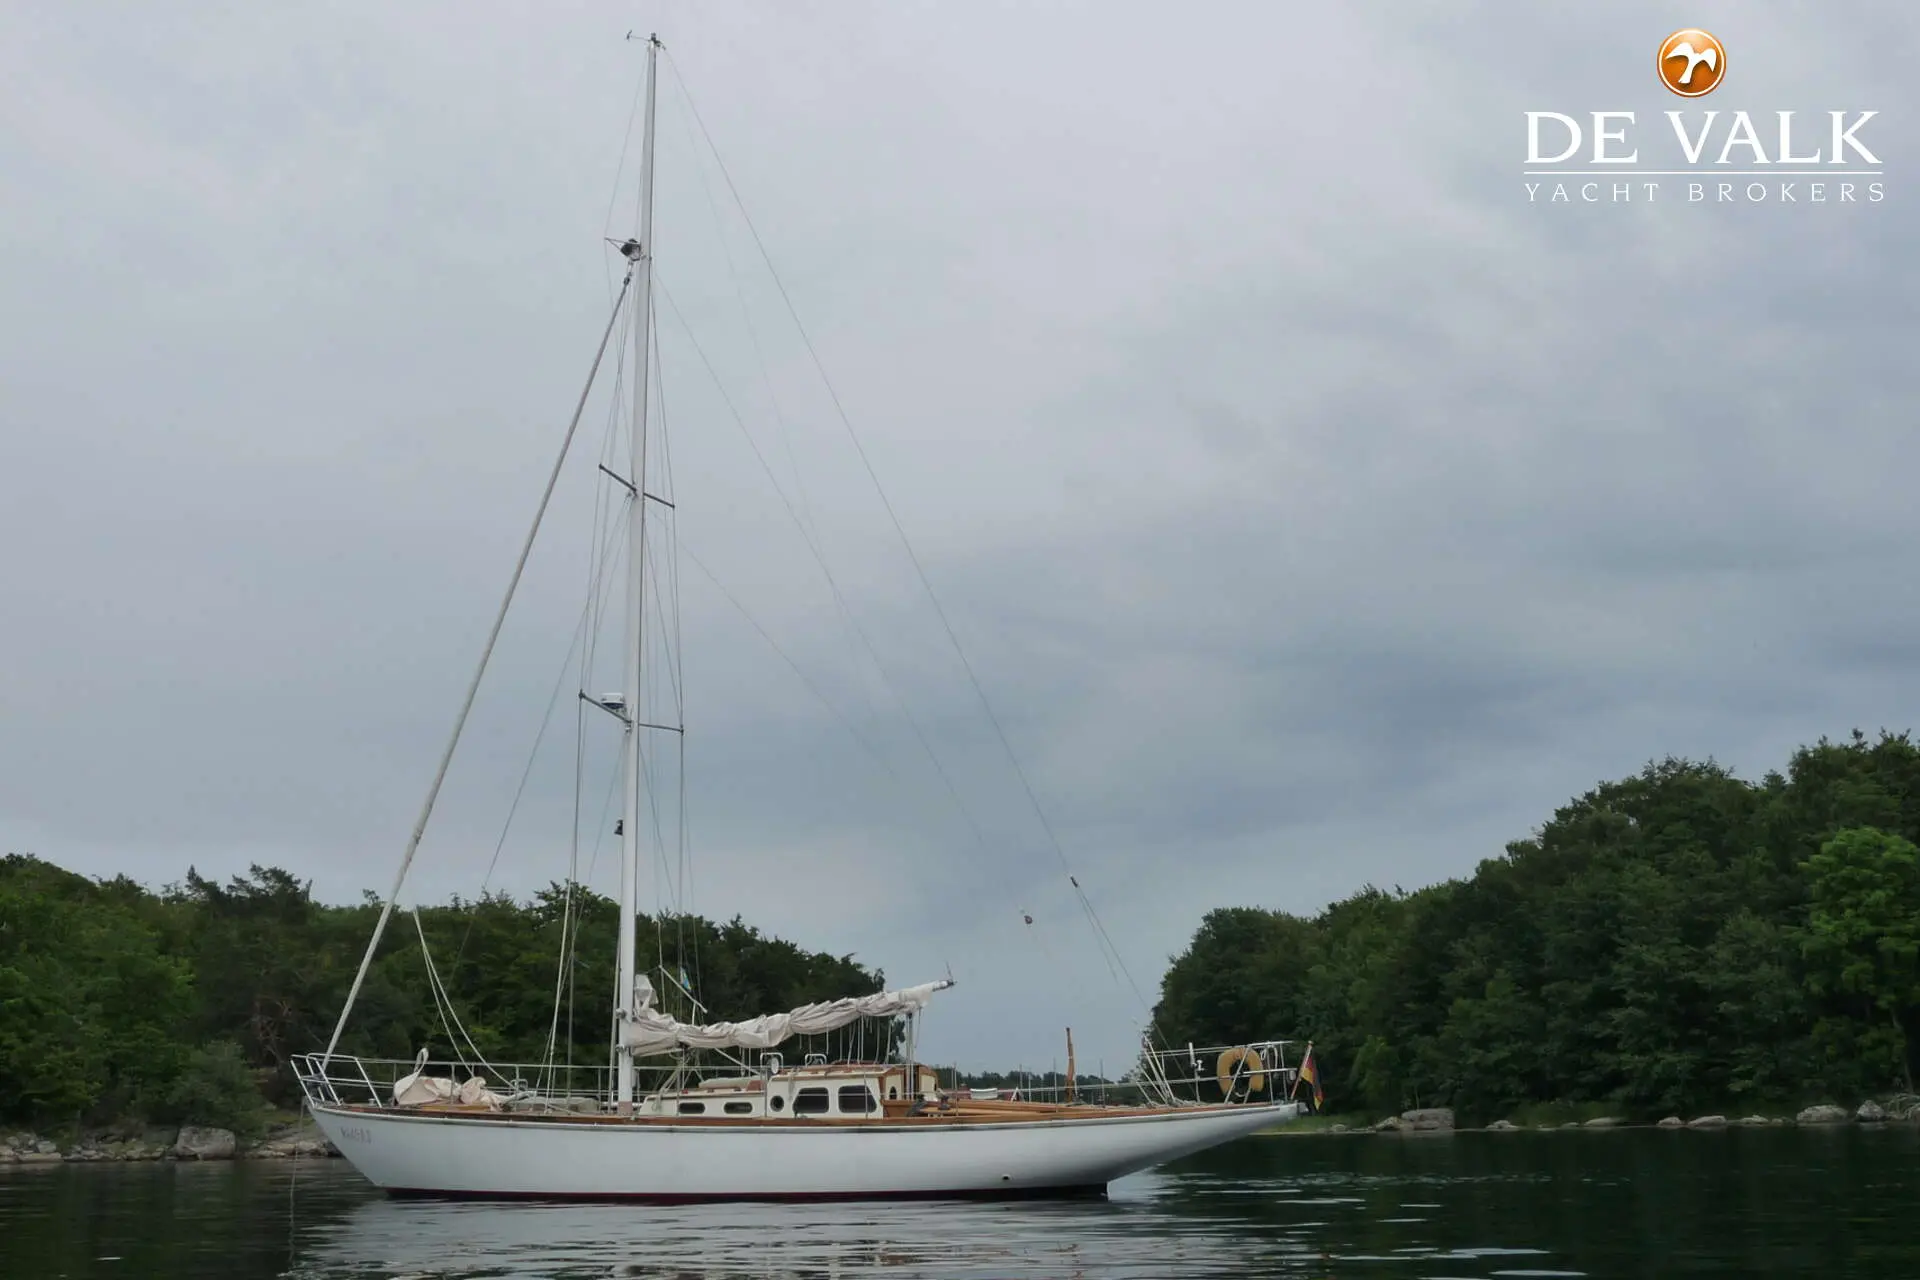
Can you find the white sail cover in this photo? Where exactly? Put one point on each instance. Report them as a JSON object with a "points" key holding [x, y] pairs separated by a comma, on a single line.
{"points": [[420, 1089], [649, 1031]]}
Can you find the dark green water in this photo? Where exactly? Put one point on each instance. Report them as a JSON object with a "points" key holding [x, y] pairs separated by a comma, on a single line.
{"points": [[1781, 1202]]}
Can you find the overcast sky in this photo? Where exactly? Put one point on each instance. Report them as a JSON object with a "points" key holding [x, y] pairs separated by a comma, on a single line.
{"points": [[1314, 509]]}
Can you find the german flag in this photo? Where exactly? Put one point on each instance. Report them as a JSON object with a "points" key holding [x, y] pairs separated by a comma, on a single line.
{"points": [[1310, 1074]]}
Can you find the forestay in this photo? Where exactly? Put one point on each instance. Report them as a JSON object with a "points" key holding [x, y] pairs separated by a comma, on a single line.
{"points": [[650, 1031]]}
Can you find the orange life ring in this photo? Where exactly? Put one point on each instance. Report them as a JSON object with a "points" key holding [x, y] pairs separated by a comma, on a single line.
{"points": [[1227, 1072]]}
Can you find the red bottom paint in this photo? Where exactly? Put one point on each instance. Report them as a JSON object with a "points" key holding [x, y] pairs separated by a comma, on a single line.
{"points": [[1096, 1191]]}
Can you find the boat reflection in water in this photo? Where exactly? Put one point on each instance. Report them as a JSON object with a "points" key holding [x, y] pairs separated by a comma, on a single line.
{"points": [[1131, 1234]]}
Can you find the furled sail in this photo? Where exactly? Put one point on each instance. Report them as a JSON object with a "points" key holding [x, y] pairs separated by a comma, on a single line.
{"points": [[420, 1089], [650, 1031]]}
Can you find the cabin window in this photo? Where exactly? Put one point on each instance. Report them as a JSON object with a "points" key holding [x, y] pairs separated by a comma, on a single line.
{"points": [[777, 1102], [693, 1108], [739, 1108], [810, 1102], [855, 1099]]}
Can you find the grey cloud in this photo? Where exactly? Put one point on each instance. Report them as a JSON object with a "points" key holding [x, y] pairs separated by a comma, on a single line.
{"points": [[1314, 510]]}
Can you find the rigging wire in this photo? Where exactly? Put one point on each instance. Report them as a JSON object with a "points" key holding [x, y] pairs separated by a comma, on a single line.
{"points": [[906, 543], [784, 429], [753, 337], [826, 571], [600, 562], [433, 989], [553, 700], [674, 886], [607, 556], [440, 990], [563, 974], [575, 646], [676, 649], [473, 690], [865, 744]]}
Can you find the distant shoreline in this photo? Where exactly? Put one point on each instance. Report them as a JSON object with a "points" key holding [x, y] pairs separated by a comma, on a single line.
{"points": [[1901, 1110]]}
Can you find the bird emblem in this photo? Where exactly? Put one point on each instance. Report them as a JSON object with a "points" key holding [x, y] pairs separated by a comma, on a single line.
{"points": [[1708, 55], [1691, 62]]}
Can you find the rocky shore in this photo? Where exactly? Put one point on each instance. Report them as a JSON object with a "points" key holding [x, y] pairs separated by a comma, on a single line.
{"points": [[1441, 1120], [290, 1142]]}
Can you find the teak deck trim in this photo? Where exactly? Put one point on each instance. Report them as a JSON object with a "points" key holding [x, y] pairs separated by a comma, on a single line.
{"points": [[982, 1112]]}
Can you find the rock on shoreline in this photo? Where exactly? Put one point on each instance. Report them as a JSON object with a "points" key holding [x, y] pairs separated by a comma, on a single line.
{"points": [[196, 1143], [1441, 1120], [190, 1142], [1825, 1113]]}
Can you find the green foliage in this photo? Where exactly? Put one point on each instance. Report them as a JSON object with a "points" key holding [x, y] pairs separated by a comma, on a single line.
{"points": [[1676, 941], [1862, 938], [216, 1088], [186, 1005], [90, 1002]]}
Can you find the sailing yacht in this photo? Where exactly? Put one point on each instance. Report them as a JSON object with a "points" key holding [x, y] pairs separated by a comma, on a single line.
{"points": [[713, 1110]]}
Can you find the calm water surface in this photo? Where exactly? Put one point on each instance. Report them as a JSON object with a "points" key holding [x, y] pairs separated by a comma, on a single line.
{"points": [[1843, 1202]]}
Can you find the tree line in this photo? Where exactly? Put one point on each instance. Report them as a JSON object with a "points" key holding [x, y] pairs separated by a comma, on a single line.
{"points": [[1673, 942], [119, 1005]]}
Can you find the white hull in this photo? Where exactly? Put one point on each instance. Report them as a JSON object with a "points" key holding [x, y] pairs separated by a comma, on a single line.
{"points": [[521, 1158]]}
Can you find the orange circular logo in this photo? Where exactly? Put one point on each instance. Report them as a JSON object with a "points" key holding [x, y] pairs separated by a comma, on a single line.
{"points": [[1692, 63]]}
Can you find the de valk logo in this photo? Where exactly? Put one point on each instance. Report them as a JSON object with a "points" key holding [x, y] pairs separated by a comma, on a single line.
{"points": [[1701, 155]]}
